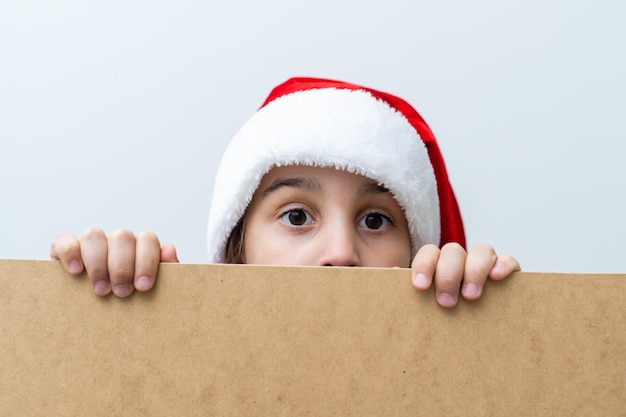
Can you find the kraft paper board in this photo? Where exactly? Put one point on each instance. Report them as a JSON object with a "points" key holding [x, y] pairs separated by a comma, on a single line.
{"points": [[232, 340]]}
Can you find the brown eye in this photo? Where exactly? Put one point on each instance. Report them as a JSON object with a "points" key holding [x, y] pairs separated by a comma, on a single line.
{"points": [[296, 217], [375, 221]]}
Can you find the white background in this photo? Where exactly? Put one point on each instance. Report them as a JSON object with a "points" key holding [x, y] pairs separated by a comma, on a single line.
{"points": [[115, 113]]}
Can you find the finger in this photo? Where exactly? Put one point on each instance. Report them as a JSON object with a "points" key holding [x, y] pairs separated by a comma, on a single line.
{"points": [[423, 266], [148, 255], [449, 274], [66, 248], [504, 266], [93, 243], [121, 262], [168, 253], [479, 263]]}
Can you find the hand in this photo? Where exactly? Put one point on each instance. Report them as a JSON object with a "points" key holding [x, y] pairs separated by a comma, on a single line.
{"points": [[120, 262], [455, 272]]}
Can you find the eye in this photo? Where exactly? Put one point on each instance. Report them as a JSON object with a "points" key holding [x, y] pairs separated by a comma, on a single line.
{"points": [[296, 217], [375, 221]]}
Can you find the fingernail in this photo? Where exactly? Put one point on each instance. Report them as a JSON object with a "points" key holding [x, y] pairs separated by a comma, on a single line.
{"points": [[123, 290], [446, 300], [420, 281], [471, 290], [74, 267], [101, 287], [143, 283]]}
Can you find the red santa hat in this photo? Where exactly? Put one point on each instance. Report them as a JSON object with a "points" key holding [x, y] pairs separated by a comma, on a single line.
{"points": [[327, 123]]}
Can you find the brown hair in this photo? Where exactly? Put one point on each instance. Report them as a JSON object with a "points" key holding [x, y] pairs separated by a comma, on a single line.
{"points": [[234, 253]]}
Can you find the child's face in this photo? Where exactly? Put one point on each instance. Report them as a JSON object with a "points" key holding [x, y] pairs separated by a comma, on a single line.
{"points": [[303, 215]]}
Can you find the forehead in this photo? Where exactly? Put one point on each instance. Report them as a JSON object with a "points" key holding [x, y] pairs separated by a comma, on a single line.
{"points": [[323, 181], [321, 173]]}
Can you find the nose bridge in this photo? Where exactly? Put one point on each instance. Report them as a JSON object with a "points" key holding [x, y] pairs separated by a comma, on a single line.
{"points": [[340, 244]]}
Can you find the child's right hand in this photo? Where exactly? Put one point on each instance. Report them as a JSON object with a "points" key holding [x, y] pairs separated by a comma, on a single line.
{"points": [[120, 262]]}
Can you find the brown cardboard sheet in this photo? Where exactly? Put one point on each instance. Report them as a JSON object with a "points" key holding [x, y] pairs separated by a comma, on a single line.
{"points": [[228, 340]]}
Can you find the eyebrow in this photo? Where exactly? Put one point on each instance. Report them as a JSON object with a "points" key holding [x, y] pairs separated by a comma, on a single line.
{"points": [[304, 183], [310, 184], [372, 188]]}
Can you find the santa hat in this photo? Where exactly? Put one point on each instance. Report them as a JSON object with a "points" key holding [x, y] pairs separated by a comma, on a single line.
{"points": [[326, 123]]}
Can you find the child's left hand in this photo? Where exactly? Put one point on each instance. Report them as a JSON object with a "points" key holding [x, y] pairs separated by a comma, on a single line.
{"points": [[454, 271]]}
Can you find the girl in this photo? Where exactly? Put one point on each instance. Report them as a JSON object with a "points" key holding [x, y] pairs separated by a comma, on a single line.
{"points": [[325, 173]]}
